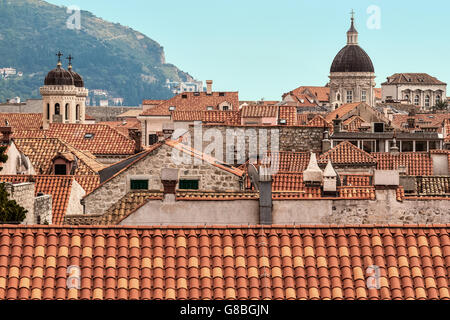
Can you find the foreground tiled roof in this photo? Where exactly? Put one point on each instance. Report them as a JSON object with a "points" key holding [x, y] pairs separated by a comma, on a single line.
{"points": [[59, 187], [245, 262], [41, 152], [348, 154], [22, 121], [416, 163]]}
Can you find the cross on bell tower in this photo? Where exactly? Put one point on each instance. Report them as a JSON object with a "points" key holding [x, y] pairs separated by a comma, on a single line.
{"points": [[70, 58], [352, 34], [59, 55]]}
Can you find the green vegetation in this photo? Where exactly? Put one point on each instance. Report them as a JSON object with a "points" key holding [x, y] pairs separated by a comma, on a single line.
{"points": [[108, 55], [10, 211]]}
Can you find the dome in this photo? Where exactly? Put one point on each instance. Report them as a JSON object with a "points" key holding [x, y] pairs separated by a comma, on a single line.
{"points": [[352, 58], [77, 79], [59, 77]]}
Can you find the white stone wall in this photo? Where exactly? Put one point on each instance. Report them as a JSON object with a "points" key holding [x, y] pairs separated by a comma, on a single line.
{"points": [[77, 193]]}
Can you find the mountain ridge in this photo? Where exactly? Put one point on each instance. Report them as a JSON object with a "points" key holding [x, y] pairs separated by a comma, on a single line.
{"points": [[108, 55]]}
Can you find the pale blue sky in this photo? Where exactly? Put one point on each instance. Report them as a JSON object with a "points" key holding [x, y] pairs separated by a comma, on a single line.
{"points": [[265, 48]]}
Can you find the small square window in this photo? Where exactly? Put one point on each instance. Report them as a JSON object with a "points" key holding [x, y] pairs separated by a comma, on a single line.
{"points": [[139, 184], [184, 96], [188, 185], [221, 94]]}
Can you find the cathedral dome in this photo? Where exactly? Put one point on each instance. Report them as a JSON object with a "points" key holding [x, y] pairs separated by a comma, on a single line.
{"points": [[59, 77], [352, 58], [77, 79]]}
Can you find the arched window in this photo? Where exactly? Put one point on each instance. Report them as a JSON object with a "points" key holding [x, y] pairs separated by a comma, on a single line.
{"points": [[338, 97], [427, 101], [407, 98], [77, 112], [48, 111], [438, 98], [416, 100], [67, 111], [57, 109]]}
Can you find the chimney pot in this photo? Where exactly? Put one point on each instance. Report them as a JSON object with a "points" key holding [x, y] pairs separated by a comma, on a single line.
{"points": [[209, 84]]}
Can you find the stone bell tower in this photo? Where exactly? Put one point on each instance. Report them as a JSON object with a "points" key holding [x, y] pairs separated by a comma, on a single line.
{"points": [[63, 95]]}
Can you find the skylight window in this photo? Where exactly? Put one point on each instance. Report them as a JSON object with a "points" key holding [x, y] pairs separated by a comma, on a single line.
{"points": [[89, 136], [172, 108]]}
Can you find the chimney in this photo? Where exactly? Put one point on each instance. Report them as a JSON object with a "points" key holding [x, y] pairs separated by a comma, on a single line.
{"points": [[329, 179], [6, 132], [313, 176], [169, 180], [411, 123], [168, 130], [337, 125], [265, 196], [136, 135], [209, 84], [394, 149], [326, 142]]}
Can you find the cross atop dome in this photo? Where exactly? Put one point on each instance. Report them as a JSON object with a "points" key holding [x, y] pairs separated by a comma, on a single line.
{"points": [[352, 34], [59, 55]]}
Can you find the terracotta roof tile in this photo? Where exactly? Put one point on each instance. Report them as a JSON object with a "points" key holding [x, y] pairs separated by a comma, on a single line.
{"points": [[193, 101], [341, 111], [278, 262], [41, 152], [123, 127], [416, 163], [348, 154], [214, 116], [288, 113], [259, 111], [22, 121], [412, 78], [59, 187]]}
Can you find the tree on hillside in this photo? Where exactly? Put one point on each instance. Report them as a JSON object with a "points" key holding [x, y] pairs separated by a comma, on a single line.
{"points": [[10, 211]]}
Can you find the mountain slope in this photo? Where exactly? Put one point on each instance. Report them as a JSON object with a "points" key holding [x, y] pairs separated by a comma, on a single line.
{"points": [[109, 56]]}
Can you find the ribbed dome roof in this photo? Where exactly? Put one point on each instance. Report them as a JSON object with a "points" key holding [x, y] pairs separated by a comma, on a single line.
{"points": [[77, 79], [59, 77], [352, 58]]}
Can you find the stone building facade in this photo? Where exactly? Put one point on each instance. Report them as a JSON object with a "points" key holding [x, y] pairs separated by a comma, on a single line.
{"points": [[209, 177], [419, 89]]}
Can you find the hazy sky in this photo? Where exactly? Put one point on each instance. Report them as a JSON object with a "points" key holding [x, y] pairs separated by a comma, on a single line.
{"points": [[265, 48]]}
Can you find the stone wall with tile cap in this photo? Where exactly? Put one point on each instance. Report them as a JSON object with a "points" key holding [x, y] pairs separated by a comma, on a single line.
{"points": [[43, 209], [23, 194], [296, 139], [210, 177]]}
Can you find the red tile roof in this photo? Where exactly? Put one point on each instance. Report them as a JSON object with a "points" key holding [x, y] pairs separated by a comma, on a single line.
{"points": [[288, 113], [194, 101], [59, 187], [348, 154], [288, 162], [278, 262], [353, 124], [412, 78], [123, 127], [319, 121], [416, 163], [22, 121], [421, 121], [320, 93], [341, 111], [259, 111], [447, 130], [214, 116]]}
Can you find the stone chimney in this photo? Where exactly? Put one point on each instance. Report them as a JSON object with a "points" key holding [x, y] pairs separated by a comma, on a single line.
{"points": [[209, 84], [326, 142], [169, 180], [394, 149], [6, 132], [329, 179], [136, 136], [265, 196], [313, 176], [411, 123], [337, 125]]}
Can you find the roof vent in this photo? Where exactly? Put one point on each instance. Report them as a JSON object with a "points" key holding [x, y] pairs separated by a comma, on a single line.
{"points": [[283, 121]]}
